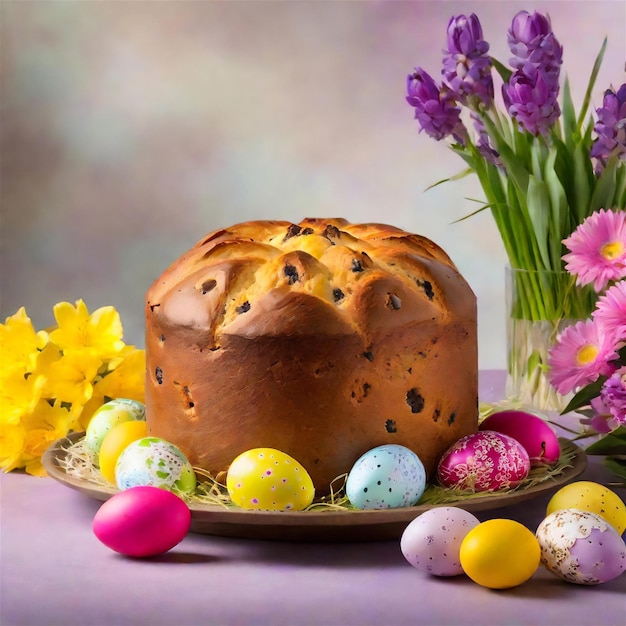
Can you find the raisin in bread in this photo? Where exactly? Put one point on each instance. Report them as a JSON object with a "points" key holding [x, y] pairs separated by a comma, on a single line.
{"points": [[322, 339]]}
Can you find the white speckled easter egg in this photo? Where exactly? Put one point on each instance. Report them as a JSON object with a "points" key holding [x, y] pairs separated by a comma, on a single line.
{"points": [[387, 477], [154, 462], [106, 418], [581, 547], [484, 461], [267, 479], [432, 541]]}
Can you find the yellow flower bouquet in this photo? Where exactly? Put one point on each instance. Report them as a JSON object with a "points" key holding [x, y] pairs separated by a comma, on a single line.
{"points": [[52, 381]]}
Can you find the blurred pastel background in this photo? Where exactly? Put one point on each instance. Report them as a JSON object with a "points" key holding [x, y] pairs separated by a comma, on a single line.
{"points": [[131, 129]]}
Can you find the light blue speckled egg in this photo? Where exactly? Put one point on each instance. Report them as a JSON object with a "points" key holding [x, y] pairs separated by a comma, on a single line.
{"points": [[154, 462], [387, 477]]}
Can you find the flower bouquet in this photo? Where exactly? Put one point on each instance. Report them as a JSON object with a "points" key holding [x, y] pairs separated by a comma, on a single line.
{"points": [[543, 169], [52, 381], [589, 358]]}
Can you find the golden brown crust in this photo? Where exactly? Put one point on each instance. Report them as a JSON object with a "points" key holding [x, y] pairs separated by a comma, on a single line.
{"points": [[322, 339]]}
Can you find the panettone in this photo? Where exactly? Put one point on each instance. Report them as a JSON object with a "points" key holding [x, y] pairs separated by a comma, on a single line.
{"points": [[322, 339]]}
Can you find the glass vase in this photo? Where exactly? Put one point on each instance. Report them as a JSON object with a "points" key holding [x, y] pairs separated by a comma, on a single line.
{"points": [[539, 305]]}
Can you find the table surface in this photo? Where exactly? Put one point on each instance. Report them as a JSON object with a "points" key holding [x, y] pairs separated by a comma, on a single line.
{"points": [[53, 571]]}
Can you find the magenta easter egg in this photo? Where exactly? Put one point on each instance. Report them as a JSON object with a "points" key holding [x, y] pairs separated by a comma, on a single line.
{"points": [[484, 461], [531, 431], [142, 521]]}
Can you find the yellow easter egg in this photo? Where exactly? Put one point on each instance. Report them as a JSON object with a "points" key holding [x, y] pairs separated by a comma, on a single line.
{"points": [[269, 480], [115, 442], [500, 553], [586, 495]]}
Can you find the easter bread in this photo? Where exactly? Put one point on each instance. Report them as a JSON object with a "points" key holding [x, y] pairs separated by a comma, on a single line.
{"points": [[322, 339]]}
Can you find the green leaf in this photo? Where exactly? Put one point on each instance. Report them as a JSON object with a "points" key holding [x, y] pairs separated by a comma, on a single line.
{"points": [[612, 443], [514, 166], [582, 194], [459, 176], [558, 210], [590, 85], [534, 362], [619, 198], [585, 395], [568, 115], [617, 466], [480, 210], [604, 191], [538, 204], [505, 72]]}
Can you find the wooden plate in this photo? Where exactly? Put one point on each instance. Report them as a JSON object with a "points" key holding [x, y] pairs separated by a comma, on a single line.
{"points": [[328, 526]]}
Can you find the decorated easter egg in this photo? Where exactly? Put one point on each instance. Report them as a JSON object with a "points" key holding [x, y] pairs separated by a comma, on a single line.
{"points": [[387, 477], [500, 554], [431, 542], [114, 443], [269, 480], [142, 521], [531, 431], [581, 547], [106, 418], [154, 462], [593, 497], [484, 461]]}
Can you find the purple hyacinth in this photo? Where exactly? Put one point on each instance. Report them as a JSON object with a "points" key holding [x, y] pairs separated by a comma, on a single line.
{"points": [[484, 142], [466, 65], [435, 109], [531, 101], [613, 395], [610, 128], [535, 46]]}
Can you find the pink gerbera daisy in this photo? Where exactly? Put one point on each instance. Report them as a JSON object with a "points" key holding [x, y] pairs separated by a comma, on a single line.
{"points": [[597, 249], [610, 313], [582, 353]]}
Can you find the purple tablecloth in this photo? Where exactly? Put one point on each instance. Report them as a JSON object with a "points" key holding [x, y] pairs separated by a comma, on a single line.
{"points": [[55, 572]]}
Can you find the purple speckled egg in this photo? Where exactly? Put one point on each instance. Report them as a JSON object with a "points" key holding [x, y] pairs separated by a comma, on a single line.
{"points": [[432, 542], [484, 461], [581, 547]]}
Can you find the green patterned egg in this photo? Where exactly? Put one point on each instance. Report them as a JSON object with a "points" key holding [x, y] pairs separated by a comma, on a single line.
{"points": [[154, 462], [106, 418]]}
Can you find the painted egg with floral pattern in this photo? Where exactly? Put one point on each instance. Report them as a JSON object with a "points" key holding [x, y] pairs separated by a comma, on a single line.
{"points": [[581, 547], [484, 461], [107, 417], [154, 462], [387, 477]]}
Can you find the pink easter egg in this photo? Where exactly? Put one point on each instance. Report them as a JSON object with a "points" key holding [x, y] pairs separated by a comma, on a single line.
{"points": [[142, 521], [484, 461], [530, 430]]}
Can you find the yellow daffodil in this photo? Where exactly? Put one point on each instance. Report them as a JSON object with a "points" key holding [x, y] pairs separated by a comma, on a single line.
{"points": [[19, 343], [19, 394], [127, 380], [12, 438], [102, 330], [70, 379], [52, 382]]}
